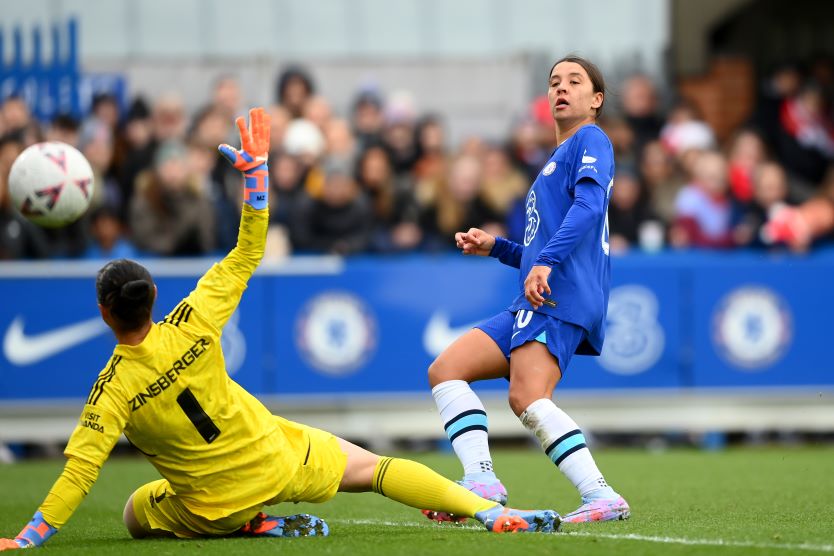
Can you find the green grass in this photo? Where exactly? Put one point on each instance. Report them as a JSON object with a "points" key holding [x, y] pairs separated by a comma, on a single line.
{"points": [[749, 501]]}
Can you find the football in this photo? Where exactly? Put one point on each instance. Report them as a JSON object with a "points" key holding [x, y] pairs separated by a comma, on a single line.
{"points": [[51, 184]]}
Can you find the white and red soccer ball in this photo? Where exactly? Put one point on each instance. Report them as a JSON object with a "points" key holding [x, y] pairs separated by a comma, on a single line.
{"points": [[51, 184]]}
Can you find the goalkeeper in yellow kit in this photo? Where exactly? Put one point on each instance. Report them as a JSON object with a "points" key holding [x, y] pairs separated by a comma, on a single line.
{"points": [[222, 455]]}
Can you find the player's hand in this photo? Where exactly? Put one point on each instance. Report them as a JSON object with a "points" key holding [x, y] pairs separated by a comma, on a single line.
{"points": [[252, 157], [8, 544], [36, 532], [475, 242], [14, 544], [536, 287], [254, 142]]}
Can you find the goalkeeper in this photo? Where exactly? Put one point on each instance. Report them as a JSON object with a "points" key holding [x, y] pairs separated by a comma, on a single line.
{"points": [[222, 455]]}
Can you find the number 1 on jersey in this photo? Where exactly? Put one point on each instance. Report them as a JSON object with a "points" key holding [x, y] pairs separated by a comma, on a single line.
{"points": [[197, 415]]}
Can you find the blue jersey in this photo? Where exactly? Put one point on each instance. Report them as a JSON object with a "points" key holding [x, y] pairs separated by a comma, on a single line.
{"points": [[567, 229]]}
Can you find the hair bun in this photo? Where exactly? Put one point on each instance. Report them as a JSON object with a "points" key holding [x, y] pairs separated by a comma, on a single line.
{"points": [[136, 290]]}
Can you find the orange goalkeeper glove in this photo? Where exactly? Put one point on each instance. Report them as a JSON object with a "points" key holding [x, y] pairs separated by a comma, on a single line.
{"points": [[251, 159]]}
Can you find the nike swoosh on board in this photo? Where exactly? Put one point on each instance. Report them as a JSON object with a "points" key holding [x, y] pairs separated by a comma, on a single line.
{"points": [[439, 334], [21, 349]]}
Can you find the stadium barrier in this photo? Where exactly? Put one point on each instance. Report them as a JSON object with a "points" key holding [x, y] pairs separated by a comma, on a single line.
{"points": [[53, 85], [695, 342]]}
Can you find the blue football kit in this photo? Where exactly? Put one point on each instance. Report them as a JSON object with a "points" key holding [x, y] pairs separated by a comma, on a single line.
{"points": [[567, 230]]}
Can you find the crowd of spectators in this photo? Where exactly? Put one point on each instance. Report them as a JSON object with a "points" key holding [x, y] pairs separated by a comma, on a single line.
{"points": [[384, 179]]}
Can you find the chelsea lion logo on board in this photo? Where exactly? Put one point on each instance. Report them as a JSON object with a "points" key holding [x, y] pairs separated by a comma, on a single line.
{"points": [[752, 327], [336, 333], [549, 169]]}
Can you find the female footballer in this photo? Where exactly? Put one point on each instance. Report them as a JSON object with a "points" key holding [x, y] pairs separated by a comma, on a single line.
{"points": [[564, 275], [221, 454]]}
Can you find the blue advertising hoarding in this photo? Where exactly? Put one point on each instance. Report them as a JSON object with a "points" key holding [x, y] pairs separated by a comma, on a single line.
{"points": [[374, 325], [762, 324]]}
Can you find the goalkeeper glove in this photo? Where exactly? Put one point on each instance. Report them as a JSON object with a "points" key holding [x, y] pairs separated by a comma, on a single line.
{"points": [[251, 159], [34, 534]]}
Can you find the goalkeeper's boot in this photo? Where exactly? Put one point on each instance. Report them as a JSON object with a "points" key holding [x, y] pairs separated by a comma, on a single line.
{"points": [[493, 491], [604, 509], [298, 525], [508, 520]]}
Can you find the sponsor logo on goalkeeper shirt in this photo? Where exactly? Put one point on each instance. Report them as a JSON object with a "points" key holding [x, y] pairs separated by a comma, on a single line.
{"points": [[91, 420], [336, 333]]}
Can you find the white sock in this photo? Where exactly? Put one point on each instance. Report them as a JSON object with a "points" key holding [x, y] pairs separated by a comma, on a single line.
{"points": [[564, 444], [465, 422]]}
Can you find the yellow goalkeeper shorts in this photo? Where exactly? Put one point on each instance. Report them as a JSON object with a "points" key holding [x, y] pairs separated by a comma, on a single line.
{"points": [[159, 510]]}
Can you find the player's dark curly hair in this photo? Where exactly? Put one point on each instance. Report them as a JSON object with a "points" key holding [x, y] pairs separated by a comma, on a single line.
{"points": [[126, 288], [597, 81]]}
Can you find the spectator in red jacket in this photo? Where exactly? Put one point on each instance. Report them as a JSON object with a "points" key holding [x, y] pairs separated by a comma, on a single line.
{"points": [[703, 207]]}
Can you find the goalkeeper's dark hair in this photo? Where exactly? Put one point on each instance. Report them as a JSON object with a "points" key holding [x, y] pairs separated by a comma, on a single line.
{"points": [[126, 288]]}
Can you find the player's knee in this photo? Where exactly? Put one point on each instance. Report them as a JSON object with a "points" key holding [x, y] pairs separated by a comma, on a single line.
{"points": [[358, 475], [438, 372], [133, 526], [520, 400], [359, 469]]}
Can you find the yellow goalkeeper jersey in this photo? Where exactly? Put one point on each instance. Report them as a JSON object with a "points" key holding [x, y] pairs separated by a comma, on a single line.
{"points": [[221, 450]]}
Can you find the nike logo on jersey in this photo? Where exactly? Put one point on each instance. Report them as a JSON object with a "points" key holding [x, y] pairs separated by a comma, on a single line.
{"points": [[22, 349], [588, 159], [439, 333]]}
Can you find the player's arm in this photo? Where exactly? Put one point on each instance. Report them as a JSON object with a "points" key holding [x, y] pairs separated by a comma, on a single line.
{"points": [[89, 446], [218, 292], [584, 215], [507, 251], [479, 242]]}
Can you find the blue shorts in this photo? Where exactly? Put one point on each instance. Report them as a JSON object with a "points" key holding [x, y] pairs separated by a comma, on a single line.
{"points": [[511, 330]]}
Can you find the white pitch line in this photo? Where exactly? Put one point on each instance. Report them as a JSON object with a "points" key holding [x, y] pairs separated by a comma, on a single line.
{"points": [[624, 537], [704, 542]]}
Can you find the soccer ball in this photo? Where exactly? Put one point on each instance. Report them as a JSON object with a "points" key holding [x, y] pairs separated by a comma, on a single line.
{"points": [[51, 184]]}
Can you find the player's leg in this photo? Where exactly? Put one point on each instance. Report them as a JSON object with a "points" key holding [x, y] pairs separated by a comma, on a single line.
{"points": [[134, 527], [477, 355], [534, 373], [415, 485], [149, 514]]}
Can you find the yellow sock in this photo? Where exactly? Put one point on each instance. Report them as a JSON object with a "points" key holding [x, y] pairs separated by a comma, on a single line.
{"points": [[415, 485]]}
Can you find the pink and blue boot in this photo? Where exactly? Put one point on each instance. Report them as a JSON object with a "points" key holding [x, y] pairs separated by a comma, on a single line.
{"points": [[603, 509]]}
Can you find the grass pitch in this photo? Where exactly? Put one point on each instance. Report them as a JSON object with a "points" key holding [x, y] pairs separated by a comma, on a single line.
{"points": [[748, 501]]}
